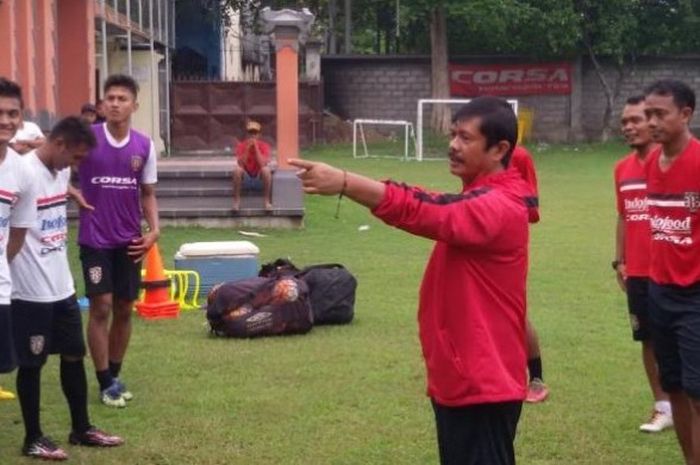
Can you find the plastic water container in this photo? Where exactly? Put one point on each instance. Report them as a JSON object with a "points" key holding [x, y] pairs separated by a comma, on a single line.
{"points": [[218, 262]]}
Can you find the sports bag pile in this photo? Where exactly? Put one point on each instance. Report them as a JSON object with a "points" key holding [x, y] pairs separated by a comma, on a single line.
{"points": [[282, 300], [331, 289], [260, 307]]}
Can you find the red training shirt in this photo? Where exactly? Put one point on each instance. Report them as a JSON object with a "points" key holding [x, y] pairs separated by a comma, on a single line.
{"points": [[674, 212], [250, 164], [631, 195], [521, 161], [471, 314]]}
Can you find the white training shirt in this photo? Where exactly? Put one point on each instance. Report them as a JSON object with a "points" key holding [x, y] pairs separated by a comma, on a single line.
{"points": [[29, 131], [17, 209], [40, 272]]}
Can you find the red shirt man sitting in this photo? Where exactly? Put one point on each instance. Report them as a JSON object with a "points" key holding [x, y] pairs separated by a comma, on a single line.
{"points": [[253, 165]]}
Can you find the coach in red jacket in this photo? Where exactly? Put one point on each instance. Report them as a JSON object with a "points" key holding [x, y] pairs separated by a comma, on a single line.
{"points": [[472, 299]]}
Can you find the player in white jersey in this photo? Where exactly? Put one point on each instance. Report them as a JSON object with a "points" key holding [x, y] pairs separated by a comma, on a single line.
{"points": [[45, 314], [17, 211], [27, 138]]}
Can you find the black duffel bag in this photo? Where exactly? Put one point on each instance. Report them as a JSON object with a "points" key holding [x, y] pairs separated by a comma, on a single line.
{"points": [[331, 293], [331, 288], [260, 307]]}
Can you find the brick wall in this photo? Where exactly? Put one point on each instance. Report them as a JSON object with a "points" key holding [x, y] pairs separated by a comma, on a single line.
{"points": [[388, 87], [635, 78], [376, 87]]}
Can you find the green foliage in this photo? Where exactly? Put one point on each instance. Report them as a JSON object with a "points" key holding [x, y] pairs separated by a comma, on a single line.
{"points": [[538, 28]]}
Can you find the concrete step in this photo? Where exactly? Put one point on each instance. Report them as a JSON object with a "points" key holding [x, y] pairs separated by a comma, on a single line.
{"points": [[200, 192]]}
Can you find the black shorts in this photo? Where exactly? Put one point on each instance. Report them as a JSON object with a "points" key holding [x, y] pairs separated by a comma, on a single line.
{"points": [[110, 271], [43, 328], [477, 434], [675, 317], [8, 361], [638, 305]]}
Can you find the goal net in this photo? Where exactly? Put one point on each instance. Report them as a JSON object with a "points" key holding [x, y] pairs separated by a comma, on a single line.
{"points": [[431, 145], [383, 138]]}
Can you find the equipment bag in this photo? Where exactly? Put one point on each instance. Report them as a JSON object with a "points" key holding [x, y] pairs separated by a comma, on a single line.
{"points": [[331, 292], [260, 307]]}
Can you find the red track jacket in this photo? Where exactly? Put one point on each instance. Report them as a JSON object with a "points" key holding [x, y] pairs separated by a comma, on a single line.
{"points": [[471, 314]]}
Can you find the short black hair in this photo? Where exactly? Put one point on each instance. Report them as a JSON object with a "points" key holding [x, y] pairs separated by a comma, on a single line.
{"points": [[11, 89], [122, 80], [88, 108], [683, 95], [498, 121], [74, 132], [635, 99]]}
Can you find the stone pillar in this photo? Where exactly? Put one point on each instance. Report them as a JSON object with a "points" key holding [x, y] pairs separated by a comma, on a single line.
{"points": [[25, 56], [313, 60], [8, 63], [45, 63], [76, 54], [287, 26]]}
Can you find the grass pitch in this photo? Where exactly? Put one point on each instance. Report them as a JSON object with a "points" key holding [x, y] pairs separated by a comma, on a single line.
{"points": [[355, 394]]}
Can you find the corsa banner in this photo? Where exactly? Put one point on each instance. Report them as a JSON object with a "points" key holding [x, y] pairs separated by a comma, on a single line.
{"points": [[510, 79]]}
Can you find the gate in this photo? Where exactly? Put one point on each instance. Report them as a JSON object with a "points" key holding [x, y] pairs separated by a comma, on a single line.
{"points": [[210, 115]]}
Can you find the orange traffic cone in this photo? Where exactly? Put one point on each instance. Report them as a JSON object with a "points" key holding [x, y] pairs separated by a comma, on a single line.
{"points": [[156, 302]]}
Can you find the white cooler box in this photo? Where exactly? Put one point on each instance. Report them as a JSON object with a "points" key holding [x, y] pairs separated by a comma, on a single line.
{"points": [[217, 262]]}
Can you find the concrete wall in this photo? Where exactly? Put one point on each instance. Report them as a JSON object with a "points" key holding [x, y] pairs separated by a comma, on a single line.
{"points": [[635, 78], [388, 87]]}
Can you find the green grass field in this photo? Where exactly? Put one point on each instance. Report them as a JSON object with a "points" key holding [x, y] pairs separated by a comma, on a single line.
{"points": [[355, 394]]}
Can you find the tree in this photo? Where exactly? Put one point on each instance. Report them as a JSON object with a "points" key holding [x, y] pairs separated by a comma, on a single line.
{"points": [[608, 28], [441, 117]]}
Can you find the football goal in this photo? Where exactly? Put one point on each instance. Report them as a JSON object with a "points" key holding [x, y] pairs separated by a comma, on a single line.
{"points": [[381, 138], [431, 146]]}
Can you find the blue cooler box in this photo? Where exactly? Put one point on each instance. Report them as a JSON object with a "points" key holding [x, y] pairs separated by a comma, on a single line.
{"points": [[217, 262]]}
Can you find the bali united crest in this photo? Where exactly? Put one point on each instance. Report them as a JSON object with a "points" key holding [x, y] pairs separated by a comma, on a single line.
{"points": [[136, 162], [36, 344], [692, 201], [95, 274]]}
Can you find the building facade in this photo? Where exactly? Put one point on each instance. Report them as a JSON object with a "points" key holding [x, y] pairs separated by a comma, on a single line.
{"points": [[61, 51]]}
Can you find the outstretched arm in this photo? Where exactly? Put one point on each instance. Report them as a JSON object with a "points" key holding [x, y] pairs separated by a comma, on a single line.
{"points": [[323, 179], [462, 220]]}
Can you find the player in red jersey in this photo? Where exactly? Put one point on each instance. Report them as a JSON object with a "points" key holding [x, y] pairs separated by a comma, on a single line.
{"points": [[537, 390], [471, 313], [632, 248], [673, 192]]}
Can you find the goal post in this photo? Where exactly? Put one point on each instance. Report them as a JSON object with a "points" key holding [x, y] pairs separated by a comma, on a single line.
{"points": [[419, 118], [358, 129]]}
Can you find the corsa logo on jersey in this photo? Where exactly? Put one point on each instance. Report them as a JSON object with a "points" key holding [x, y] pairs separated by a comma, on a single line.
{"points": [[114, 180], [667, 223]]}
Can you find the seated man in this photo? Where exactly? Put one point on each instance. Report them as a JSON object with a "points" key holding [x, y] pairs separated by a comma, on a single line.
{"points": [[253, 165], [27, 138]]}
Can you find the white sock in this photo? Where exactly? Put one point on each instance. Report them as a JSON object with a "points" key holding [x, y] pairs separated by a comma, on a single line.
{"points": [[663, 406]]}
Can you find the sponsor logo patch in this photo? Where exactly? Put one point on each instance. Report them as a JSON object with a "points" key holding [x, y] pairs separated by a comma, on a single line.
{"points": [[136, 162], [95, 274], [36, 344], [692, 201]]}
